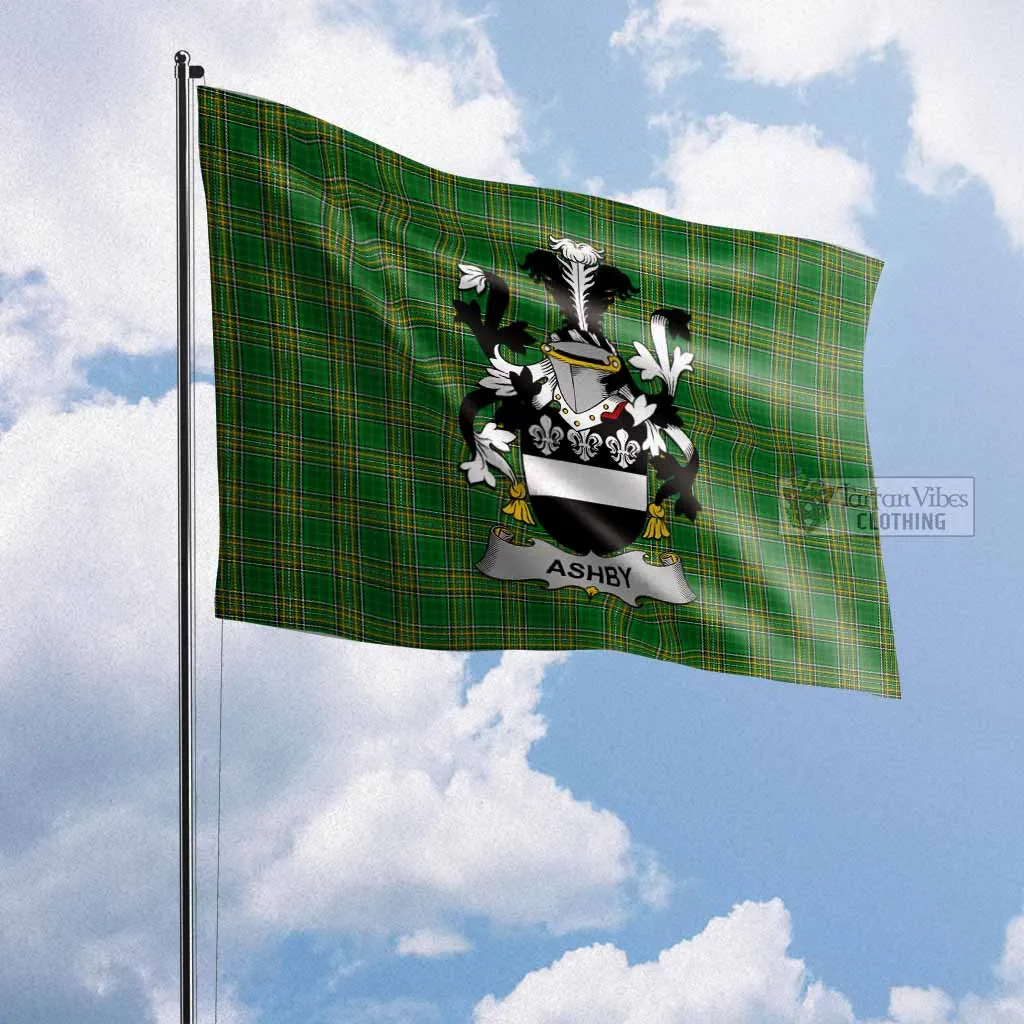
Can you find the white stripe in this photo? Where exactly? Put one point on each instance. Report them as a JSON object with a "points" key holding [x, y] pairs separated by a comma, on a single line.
{"points": [[553, 479]]}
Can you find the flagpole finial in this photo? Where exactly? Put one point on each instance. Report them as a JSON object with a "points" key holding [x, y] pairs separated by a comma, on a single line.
{"points": [[183, 57]]}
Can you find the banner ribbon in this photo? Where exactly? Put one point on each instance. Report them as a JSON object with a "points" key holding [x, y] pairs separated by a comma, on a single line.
{"points": [[628, 576]]}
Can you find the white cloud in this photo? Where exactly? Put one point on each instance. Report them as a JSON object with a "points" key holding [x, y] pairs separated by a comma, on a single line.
{"points": [[366, 789], [736, 971], [782, 179], [36, 359], [432, 942], [963, 57], [88, 853], [782, 43], [1011, 967], [86, 169], [441, 813], [919, 1006]]}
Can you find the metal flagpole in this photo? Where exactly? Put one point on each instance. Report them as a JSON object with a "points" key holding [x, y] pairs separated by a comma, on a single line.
{"points": [[183, 72]]}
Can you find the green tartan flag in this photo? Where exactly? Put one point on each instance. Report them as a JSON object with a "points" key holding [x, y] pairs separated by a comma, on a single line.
{"points": [[467, 415]]}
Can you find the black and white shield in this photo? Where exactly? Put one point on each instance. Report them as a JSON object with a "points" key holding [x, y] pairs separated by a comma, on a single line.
{"points": [[587, 475], [587, 432]]}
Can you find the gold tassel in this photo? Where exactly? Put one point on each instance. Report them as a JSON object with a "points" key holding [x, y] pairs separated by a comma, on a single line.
{"points": [[656, 528], [517, 507]]}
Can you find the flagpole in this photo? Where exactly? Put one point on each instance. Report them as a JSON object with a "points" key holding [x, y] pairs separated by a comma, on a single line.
{"points": [[183, 72]]}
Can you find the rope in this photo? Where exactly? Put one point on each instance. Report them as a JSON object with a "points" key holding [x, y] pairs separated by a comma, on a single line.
{"points": [[216, 900], [192, 558], [194, 549]]}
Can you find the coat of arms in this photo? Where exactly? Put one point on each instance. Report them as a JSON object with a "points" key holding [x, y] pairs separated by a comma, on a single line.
{"points": [[588, 432]]}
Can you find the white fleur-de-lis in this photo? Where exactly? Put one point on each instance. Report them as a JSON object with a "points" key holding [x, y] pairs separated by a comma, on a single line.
{"points": [[624, 451], [585, 444], [546, 437]]}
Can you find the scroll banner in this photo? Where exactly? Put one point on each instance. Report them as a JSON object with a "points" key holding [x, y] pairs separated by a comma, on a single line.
{"points": [[628, 576]]}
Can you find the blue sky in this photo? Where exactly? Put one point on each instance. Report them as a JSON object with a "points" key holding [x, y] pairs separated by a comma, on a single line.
{"points": [[410, 837]]}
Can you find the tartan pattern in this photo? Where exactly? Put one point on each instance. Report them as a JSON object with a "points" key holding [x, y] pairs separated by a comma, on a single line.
{"points": [[340, 369]]}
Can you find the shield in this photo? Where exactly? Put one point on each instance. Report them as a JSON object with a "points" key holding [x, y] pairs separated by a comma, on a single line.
{"points": [[587, 475]]}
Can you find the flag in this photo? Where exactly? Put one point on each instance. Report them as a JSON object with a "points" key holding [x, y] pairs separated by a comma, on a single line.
{"points": [[465, 415]]}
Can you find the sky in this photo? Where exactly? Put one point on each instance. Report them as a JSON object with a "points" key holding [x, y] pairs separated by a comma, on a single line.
{"points": [[414, 837]]}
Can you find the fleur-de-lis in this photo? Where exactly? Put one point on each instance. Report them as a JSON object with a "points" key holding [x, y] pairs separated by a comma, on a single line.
{"points": [[624, 451], [585, 444], [546, 437]]}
